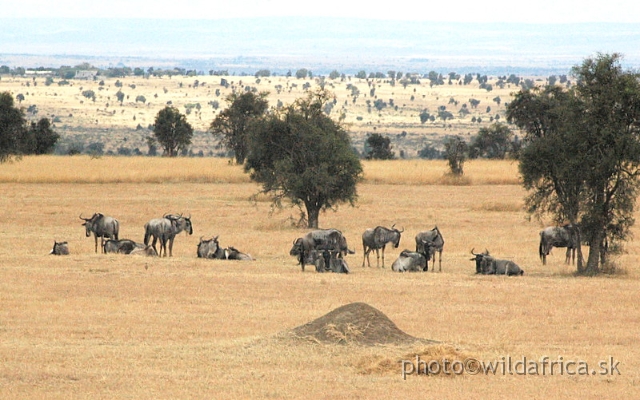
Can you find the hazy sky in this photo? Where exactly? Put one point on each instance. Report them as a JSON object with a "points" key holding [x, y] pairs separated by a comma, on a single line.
{"points": [[556, 11]]}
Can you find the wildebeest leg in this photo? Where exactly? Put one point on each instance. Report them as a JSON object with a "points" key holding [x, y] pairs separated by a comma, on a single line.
{"points": [[95, 237], [153, 244], [365, 254], [170, 246], [439, 260], [383, 255]]}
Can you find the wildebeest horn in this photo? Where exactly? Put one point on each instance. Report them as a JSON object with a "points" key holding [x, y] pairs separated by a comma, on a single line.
{"points": [[402, 230], [85, 219], [473, 252], [393, 226]]}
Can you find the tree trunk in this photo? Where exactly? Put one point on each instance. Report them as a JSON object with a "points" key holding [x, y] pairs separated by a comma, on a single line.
{"points": [[593, 262], [580, 257], [313, 214]]}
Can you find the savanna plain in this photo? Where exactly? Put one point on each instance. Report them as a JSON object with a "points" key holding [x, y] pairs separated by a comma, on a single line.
{"points": [[91, 325]]}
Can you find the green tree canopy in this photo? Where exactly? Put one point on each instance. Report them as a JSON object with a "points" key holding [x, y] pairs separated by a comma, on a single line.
{"points": [[302, 155], [581, 159], [12, 127], [378, 147], [233, 123], [491, 142], [41, 139], [172, 131], [455, 150]]}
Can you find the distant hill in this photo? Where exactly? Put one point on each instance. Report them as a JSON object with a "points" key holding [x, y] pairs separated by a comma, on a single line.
{"points": [[319, 44]]}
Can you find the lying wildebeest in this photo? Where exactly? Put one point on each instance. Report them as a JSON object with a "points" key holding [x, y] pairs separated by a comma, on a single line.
{"points": [[102, 227], [413, 260], [323, 239], [148, 251], [122, 246], [376, 239], [210, 248], [327, 260], [165, 230], [490, 265], [60, 248], [435, 238], [559, 236], [410, 261], [478, 259]]}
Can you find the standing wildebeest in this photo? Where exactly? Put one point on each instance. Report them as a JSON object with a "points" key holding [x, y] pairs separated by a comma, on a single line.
{"points": [[60, 249], [122, 246], [489, 265], [559, 236], [165, 230], [323, 239], [435, 238], [376, 239], [102, 227]]}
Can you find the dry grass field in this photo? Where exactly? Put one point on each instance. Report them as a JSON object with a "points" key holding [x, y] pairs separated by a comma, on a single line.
{"points": [[83, 121], [112, 326]]}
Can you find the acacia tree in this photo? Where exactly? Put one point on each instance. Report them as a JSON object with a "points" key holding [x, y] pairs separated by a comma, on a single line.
{"points": [[378, 147], [233, 122], [12, 127], [40, 138], [491, 142], [172, 131], [581, 159], [455, 150], [302, 155]]}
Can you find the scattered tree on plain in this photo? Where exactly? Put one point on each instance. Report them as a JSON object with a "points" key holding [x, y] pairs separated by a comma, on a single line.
{"points": [[492, 142], [378, 147], [17, 137], [581, 159], [172, 131], [455, 150], [233, 123], [300, 154]]}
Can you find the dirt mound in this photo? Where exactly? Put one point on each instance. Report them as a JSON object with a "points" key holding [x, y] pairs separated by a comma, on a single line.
{"points": [[355, 323]]}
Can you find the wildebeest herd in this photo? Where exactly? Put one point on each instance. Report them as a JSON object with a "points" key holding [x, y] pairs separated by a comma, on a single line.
{"points": [[161, 230], [325, 249]]}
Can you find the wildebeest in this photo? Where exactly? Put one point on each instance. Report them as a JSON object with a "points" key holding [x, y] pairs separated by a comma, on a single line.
{"points": [[410, 261], [102, 227], [489, 265], [559, 236], [60, 248], [122, 246], [478, 259], [376, 239], [327, 260], [231, 253], [165, 230], [435, 238], [323, 239], [210, 248], [148, 251]]}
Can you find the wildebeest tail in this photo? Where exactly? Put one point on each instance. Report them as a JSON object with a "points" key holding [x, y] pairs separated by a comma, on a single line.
{"points": [[543, 246], [147, 234]]}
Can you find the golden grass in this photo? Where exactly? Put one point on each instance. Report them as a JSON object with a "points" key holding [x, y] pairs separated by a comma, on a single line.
{"points": [[93, 326], [86, 169]]}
